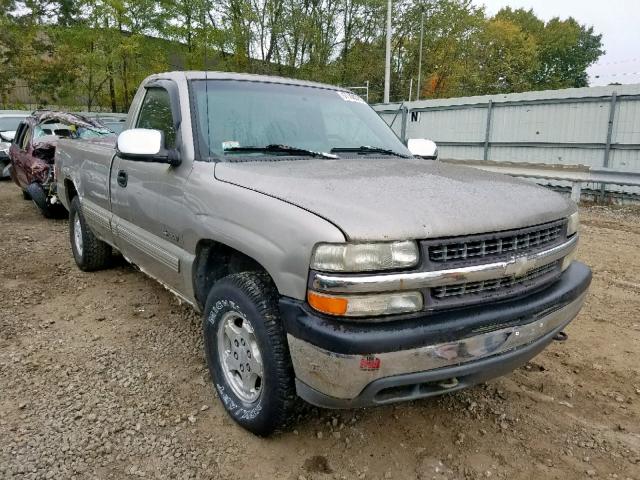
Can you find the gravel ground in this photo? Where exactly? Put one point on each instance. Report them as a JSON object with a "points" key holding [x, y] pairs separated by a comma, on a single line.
{"points": [[103, 376]]}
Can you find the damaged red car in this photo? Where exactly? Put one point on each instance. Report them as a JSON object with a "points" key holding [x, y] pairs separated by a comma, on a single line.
{"points": [[32, 154]]}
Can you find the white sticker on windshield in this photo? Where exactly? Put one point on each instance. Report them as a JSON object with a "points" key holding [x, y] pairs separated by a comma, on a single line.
{"points": [[350, 97], [229, 144]]}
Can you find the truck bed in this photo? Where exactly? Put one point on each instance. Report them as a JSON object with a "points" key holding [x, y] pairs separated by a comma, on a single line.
{"points": [[72, 154]]}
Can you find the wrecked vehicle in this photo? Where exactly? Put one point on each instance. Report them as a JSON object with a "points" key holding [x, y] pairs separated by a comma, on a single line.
{"points": [[32, 153], [329, 260], [9, 121], [113, 121]]}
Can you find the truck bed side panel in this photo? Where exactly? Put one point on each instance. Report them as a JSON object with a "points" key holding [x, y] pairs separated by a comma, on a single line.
{"points": [[87, 164]]}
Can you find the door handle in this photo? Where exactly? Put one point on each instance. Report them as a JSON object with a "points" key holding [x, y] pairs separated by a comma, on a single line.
{"points": [[122, 178]]}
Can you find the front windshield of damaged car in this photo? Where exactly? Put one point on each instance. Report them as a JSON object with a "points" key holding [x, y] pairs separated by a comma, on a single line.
{"points": [[10, 124], [62, 130], [243, 118], [83, 132], [56, 129]]}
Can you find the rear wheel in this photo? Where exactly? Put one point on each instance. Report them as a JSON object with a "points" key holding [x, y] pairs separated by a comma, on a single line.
{"points": [[89, 252], [247, 352]]}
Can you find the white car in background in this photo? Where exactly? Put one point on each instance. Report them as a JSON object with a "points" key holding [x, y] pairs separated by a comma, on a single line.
{"points": [[9, 121]]}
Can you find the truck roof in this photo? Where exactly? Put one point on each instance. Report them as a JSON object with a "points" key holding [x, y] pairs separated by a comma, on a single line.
{"points": [[213, 75]]}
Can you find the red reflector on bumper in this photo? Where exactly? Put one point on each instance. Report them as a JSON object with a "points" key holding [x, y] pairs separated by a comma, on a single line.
{"points": [[369, 363]]}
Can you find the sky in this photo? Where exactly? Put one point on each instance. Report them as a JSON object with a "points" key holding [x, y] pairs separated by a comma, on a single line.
{"points": [[617, 21]]}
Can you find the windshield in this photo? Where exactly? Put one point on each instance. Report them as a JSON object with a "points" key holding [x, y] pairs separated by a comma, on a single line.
{"points": [[258, 114], [10, 124]]}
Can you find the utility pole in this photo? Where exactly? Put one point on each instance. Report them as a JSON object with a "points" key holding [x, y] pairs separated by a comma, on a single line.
{"points": [[420, 57], [387, 57]]}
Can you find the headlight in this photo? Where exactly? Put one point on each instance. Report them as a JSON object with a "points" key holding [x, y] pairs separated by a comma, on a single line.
{"points": [[572, 224], [362, 257], [366, 305]]}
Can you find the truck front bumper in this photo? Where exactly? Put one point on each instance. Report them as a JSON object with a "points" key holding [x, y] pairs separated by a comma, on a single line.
{"points": [[349, 364]]}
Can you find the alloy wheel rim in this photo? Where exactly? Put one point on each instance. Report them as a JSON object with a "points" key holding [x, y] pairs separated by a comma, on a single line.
{"points": [[77, 234], [240, 357]]}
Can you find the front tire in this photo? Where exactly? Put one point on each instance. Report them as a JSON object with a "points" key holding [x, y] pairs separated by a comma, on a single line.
{"points": [[39, 197], [247, 352], [89, 252]]}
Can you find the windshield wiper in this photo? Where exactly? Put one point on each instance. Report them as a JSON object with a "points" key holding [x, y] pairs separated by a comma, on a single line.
{"points": [[274, 148], [369, 149]]}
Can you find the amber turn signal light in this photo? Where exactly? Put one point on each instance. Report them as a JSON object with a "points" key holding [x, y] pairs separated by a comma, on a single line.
{"points": [[327, 304]]}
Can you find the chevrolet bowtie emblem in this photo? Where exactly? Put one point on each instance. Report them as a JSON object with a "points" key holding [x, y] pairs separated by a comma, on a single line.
{"points": [[516, 267]]}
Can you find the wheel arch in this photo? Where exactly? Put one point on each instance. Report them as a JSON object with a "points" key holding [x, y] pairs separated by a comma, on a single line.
{"points": [[215, 260], [70, 190]]}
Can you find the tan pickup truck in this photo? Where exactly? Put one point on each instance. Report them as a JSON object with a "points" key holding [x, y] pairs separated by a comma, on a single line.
{"points": [[330, 261]]}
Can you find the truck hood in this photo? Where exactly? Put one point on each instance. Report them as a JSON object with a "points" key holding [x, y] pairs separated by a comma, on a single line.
{"points": [[397, 198]]}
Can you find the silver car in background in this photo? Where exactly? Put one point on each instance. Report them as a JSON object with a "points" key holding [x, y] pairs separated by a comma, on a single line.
{"points": [[9, 121]]}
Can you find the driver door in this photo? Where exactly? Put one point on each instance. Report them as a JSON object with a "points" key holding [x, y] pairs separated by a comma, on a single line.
{"points": [[147, 197]]}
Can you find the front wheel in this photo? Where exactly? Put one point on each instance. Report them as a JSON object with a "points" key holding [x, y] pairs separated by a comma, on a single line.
{"points": [[247, 352], [36, 192], [89, 252]]}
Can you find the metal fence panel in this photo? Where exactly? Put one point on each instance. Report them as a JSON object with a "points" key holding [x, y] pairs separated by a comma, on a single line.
{"points": [[396, 125], [550, 123], [552, 155], [462, 152], [450, 125], [626, 125], [596, 127]]}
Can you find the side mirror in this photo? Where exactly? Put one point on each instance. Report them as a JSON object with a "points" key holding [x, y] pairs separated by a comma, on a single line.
{"points": [[145, 145], [423, 148]]}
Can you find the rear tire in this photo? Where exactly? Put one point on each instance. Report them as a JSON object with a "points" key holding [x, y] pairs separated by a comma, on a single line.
{"points": [[247, 352], [89, 252]]}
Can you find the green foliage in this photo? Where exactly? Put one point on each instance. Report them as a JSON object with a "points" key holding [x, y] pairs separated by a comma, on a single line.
{"points": [[564, 49], [94, 53]]}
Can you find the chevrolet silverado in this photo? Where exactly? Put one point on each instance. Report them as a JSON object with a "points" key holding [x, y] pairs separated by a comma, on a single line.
{"points": [[330, 261]]}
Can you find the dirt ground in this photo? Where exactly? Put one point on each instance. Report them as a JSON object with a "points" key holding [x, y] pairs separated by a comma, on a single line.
{"points": [[103, 376]]}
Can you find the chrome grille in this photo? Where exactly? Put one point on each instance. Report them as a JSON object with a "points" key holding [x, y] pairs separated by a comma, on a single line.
{"points": [[470, 288], [483, 246]]}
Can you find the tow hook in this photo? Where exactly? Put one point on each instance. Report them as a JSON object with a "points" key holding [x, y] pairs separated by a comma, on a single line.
{"points": [[448, 383], [560, 337]]}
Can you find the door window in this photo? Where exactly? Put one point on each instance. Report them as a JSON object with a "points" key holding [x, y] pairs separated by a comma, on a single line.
{"points": [[17, 139], [155, 114], [24, 143]]}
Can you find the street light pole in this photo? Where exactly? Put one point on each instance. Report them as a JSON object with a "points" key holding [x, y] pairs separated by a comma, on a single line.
{"points": [[387, 57], [420, 57]]}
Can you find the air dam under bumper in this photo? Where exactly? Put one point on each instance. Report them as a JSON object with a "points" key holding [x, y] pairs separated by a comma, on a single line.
{"points": [[351, 377]]}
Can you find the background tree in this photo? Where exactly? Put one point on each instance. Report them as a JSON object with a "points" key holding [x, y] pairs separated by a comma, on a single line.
{"points": [[565, 49], [93, 53]]}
